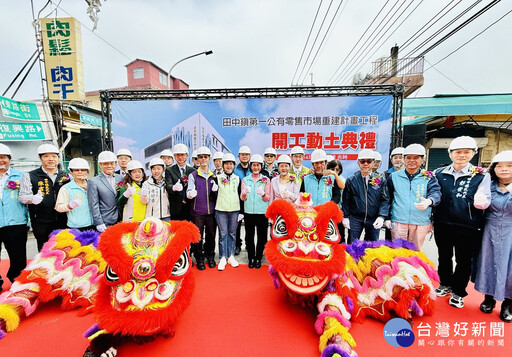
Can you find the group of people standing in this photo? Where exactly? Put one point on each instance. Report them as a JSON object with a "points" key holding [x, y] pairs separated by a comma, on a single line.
{"points": [[468, 210]]}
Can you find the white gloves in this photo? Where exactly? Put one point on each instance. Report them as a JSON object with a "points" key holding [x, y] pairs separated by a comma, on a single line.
{"points": [[388, 224], [480, 201], [144, 192], [509, 187], [215, 187], [177, 187], [246, 190], [346, 223], [425, 202], [240, 217], [37, 198], [129, 191], [75, 203], [191, 194], [260, 191], [101, 228], [379, 222]]}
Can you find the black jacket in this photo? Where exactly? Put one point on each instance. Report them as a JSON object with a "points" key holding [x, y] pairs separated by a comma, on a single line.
{"points": [[178, 201], [362, 201]]}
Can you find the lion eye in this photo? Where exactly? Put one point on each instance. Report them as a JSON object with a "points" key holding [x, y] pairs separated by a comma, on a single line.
{"points": [[181, 265], [279, 228], [111, 275], [332, 233]]}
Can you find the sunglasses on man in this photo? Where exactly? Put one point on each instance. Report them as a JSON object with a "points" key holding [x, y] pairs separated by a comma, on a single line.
{"points": [[365, 161]]}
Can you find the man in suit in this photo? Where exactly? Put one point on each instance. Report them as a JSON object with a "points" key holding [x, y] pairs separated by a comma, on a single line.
{"points": [[124, 156], [176, 179], [102, 192], [39, 189]]}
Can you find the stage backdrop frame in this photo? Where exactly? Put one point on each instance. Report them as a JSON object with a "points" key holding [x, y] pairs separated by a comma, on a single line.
{"points": [[395, 90]]}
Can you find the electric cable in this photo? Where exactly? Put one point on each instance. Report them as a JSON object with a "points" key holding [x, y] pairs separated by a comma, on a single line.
{"points": [[307, 40], [316, 37], [19, 73], [323, 39]]}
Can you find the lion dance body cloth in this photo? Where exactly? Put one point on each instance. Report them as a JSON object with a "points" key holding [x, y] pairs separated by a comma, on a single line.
{"points": [[346, 283], [135, 277]]}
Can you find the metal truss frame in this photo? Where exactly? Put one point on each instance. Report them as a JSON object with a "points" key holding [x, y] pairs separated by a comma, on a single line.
{"points": [[396, 90]]}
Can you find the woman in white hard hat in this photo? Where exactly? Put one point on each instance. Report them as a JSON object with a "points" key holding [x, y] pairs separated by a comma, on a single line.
{"points": [[130, 194], [227, 211], [39, 188], [255, 194], [494, 266], [154, 194], [285, 186], [13, 216], [72, 197], [167, 156]]}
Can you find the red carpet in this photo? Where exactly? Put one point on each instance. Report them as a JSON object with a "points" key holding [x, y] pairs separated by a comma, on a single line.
{"points": [[238, 313]]}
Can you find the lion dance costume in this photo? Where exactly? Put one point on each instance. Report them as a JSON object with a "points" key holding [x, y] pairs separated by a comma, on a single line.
{"points": [[135, 276], [346, 283]]}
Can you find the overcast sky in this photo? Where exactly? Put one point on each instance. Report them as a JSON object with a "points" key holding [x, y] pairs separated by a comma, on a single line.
{"points": [[256, 43]]}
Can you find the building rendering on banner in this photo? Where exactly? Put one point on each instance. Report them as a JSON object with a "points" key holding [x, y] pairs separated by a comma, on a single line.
{"points": [[194, 132]]}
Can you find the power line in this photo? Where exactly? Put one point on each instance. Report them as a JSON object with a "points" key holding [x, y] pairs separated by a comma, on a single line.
{"points": [[465, 43], [451, 33], [316, 37], [418, 33], [445, 76], [19, 73], [382, 42], [364, 45], [323, 39], [94, 33], [364, 33], [307, 40]]}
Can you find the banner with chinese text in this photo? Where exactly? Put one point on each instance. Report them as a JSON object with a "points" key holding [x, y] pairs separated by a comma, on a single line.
{"points": [[342, 126], [62, 47]]}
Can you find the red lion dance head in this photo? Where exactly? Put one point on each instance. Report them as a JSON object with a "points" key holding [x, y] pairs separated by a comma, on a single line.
{"points": [[147, 282]]}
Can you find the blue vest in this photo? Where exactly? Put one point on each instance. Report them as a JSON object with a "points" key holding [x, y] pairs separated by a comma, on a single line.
{"points": [[406, 194], [254, 203], [12, 211], [79, 216], [320, 191]]}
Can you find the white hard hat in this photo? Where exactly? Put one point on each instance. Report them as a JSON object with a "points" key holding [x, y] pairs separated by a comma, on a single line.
{"points": [[180, 149], [78, 163], [244, 150], [256, 158], [329, 158], [297, 150], [166, 152], [378, 156], [502, 156], [463, 142], [228, 157], [366, 154], [271, 151], [318, 155], [107, 156], [194, 154], [134, 164], [414, 149], [397, 151], [284, 159], [47, 149], [156, 161], [125, 152], [203, 150], [218, 155], [4, 150]]}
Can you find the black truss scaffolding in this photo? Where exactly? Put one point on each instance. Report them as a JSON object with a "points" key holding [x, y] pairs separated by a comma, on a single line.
{"points": [[396, 90]]}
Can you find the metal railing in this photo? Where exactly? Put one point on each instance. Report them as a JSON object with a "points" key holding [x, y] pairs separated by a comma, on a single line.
{"points": [[387, 67]]}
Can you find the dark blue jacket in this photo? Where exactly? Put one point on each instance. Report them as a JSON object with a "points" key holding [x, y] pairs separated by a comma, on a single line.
{"points": [[365, 202], [456, 205]]}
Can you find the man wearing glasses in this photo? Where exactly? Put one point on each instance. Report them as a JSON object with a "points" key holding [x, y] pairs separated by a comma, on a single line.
{"points": [[365, 201], [270, 165]]}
